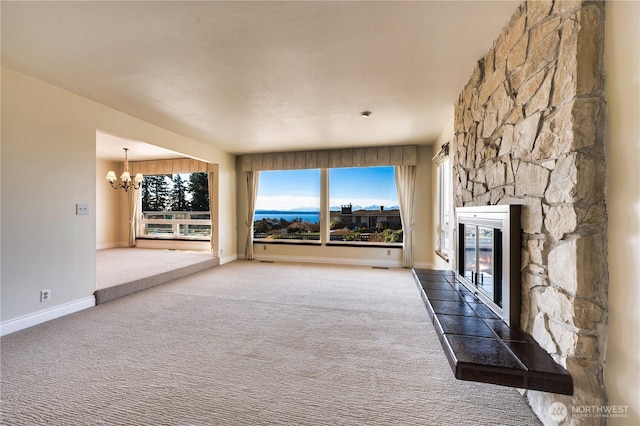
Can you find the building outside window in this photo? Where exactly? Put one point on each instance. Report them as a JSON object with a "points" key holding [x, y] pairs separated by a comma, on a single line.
{"points": [[364, 206]]}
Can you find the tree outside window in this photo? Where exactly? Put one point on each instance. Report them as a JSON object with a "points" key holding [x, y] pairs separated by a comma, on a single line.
{"points": [[180, 192], [175, 206], [199, 190]]}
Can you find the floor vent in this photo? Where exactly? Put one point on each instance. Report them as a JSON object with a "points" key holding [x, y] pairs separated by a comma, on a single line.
{"points": [[380, 267], [266, 261]]}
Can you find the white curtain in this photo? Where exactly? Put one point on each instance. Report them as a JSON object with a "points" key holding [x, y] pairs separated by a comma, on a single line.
{"points": [[212, 244], [405, 185], [134, 198], [252, 194]]}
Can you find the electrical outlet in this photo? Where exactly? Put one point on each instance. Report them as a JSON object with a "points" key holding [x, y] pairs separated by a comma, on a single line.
{"points": [[45, 296], [264, 247], [388, 252], [82, 209]]}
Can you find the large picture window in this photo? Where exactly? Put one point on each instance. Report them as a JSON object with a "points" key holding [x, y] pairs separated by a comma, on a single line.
{"points": [[175, 207], [288, 206], [364, 206]]}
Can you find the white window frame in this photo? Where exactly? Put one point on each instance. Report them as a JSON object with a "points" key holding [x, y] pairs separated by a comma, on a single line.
{"points": [[356, 242], [179, 222], [325, 215], [287, 240], [444, 209]]}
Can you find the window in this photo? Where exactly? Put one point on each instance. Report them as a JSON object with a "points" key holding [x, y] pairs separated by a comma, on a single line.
{"points": [[288, 206], [175, 207], [364, 205], [444, 208]]}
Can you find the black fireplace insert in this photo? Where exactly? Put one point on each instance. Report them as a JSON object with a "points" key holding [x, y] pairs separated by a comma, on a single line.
{"points": [[488, 257]]}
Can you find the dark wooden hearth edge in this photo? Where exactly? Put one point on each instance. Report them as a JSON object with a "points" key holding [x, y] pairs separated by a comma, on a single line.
{"points": [[480, 347]]}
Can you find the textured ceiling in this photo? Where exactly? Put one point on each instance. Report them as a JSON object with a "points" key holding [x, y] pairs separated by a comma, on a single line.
{"points": [[261, 76], [110, 147]]}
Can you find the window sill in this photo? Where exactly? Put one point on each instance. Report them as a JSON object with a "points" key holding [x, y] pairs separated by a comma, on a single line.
{"points": [[443, 256], [173, 239], [283, 241], [364, 244], [331, 243]]}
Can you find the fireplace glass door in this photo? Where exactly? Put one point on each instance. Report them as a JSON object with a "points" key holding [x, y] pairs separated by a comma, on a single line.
{"points": [[470, 253], [482, 267], [485, 277], [488, 254]]}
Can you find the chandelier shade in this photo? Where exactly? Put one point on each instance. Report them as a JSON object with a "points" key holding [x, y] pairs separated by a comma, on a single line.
{"points": [[125, 179]]}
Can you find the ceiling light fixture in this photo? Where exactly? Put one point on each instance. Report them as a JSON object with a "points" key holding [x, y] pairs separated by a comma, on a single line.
{"points": [[125, 179], [365, 114]]}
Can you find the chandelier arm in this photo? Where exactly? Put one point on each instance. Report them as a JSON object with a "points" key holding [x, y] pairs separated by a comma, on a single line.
{"points": [[125, 184]]}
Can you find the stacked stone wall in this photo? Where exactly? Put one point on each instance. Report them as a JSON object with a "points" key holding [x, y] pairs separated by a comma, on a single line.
{"points": [[529, 129]]}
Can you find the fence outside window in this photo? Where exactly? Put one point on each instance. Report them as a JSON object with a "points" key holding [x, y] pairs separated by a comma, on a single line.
{"points": [[193, 225]]}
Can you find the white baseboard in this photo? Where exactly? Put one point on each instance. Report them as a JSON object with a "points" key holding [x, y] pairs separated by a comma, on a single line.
{"points": [[173, 244], [228, 258], [423, 265], [330, 260], [26, 321], [104, 246]]}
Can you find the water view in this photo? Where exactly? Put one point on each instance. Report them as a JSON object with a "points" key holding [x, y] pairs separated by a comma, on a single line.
{"points": [[289, 216]]}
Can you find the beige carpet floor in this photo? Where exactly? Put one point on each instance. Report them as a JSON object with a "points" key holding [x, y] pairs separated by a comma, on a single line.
{"points": [[119, 265], [249, 343]]}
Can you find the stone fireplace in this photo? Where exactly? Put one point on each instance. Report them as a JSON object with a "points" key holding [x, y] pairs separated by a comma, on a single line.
{"points": [[529, 130]]}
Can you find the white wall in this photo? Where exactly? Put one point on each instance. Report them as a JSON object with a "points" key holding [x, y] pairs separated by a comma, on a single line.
{"points": [[108, 208], [622, 91], [375, 256], [423, 232], [227, 217], [49, 165]]}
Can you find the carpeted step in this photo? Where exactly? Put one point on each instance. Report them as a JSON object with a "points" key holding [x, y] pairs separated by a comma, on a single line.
{"points": [[110, 293]]}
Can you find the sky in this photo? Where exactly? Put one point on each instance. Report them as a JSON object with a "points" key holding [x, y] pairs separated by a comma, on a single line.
{"points": [[298, 189]]}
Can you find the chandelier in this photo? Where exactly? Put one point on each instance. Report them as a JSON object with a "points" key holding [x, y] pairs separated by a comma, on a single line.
{"points": [[125, 179]]}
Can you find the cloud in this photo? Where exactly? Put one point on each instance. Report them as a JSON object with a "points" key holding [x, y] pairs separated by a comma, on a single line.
{"points": [[292, 202], [364, 202], [286, 202]]}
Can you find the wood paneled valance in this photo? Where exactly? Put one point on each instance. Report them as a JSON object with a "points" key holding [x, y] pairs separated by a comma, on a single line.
{"points": [[168, 167], [355, 157]]}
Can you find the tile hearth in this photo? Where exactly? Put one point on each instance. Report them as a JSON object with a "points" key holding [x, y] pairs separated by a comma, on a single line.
{"points": [[480, 347]]}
